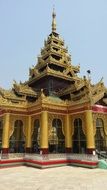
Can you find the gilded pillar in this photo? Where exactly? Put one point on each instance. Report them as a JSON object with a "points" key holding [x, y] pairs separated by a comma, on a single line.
{"points": [[29, 136], [5, 137], [68, 134], [44, 133], [89, 132]]}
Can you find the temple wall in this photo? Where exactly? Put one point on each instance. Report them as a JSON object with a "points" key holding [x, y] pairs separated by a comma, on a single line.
{"points": [[46, 117]]}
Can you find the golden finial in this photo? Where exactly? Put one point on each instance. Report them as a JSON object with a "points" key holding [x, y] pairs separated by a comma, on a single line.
{"points": [[53, 20]]}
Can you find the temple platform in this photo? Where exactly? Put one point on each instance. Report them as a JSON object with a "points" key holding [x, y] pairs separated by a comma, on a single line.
{"points": [[49, 160]]}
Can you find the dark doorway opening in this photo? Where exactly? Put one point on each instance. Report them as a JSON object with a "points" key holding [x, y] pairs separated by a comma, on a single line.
{"points": [[79, 139]]}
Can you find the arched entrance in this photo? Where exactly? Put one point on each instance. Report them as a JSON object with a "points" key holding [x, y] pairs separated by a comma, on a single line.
{"points": [[17, 140], [56, 139], [100, 138], [79, 139], [36, 137], [1, 133]]}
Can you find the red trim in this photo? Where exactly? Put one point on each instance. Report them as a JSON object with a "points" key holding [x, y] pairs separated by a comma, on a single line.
{"points": [[11, 161], [68, 150], [2, 112], [79, 109], [99, 108], [46, 163], [83, 162], [44, 151], [96, 108], [54, 110], [90, 150], [33, 112], [19, 112], [5, 150], [62, 162], [73, 110], [28, 150]]}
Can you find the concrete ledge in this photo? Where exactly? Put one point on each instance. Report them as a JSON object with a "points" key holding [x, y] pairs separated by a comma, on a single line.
{"points": [[83, 163], [11, 163], [47, 163]]}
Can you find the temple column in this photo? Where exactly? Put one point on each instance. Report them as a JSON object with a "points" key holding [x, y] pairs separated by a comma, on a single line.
{"points": [[44, 133], [5, 137], [68, 135], [89, 132], [29, 136]]}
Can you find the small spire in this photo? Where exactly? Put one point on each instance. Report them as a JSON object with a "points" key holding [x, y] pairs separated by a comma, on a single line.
{"points": [[53, 20]]}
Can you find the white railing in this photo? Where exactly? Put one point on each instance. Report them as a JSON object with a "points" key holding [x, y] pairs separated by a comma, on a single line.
{"points": [[87, 157], [33, 156], [16, 155], [12, 156]]}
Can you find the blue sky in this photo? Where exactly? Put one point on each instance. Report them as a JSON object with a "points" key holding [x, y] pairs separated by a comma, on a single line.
{"points": [[24, 24]]}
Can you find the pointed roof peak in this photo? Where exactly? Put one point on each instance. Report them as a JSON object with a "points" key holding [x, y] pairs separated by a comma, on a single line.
{"points": [[53, 20]]}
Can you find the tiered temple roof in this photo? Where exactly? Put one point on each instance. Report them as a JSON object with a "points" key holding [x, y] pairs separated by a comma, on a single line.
{"points": [[54, 59], [55, 65]]}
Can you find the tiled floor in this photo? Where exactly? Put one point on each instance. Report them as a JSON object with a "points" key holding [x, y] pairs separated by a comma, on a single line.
{"points": [[61, 178]]}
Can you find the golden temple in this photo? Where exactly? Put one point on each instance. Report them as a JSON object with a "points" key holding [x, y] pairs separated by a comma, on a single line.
{"points": [[54, 111]]}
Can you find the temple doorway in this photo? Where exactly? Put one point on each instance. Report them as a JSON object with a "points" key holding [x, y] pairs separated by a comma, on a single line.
{"points": [[17, 140], [100, 137], [56, 139], [79, 139], [36, 137]]}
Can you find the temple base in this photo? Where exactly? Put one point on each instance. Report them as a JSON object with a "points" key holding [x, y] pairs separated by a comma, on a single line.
{"points": [[44, 151], [91, 151], [68, 150], [28, 150], [49, 160], [4, 152]]}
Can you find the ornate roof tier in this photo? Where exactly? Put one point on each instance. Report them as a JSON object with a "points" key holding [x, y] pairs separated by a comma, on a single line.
{"points": [[66, 74], [78, 84], [84, 90], [9, 94], [54, 59], [24, 90]]}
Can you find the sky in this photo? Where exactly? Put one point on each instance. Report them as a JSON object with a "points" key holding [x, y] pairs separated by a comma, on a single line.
{"points": [[25, 24]]}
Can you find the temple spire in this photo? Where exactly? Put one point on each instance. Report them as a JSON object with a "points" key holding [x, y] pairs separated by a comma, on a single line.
{"points": [[53, 21]]}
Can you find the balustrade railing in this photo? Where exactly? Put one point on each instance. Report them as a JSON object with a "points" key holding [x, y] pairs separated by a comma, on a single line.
{"points": [[16, 155], [12, 156], [87, 157]]}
